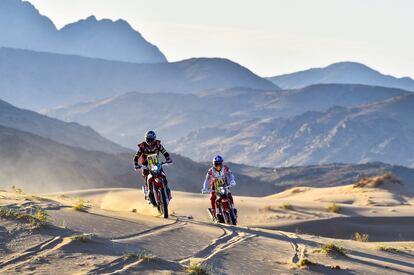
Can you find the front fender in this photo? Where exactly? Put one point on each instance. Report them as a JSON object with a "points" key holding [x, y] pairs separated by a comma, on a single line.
{"points": [[159, 182], [225, 203]]}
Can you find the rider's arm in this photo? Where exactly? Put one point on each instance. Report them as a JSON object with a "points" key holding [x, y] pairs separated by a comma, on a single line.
{"points": [[136, 158], [232, 179], [206, 184], [165, 153]]}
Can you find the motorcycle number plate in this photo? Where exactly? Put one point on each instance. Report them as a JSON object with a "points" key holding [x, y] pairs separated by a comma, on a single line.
{"points": [[152, 160], [219, 182]]}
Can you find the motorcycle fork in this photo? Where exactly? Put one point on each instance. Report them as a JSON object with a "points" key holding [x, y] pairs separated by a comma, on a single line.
{"points": [[156, 194], [223, 213], [157, 191]]}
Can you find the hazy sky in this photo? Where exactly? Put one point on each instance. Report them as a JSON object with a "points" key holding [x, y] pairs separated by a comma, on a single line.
{"points": [[268, 36]]}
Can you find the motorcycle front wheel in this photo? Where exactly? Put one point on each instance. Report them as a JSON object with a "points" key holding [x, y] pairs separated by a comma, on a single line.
{"points": [[163, 203], [233, 218]]}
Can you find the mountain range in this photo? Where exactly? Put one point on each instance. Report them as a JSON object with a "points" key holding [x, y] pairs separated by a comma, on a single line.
{"points": [[36, 80], [22, 26], [224, 111], [342, 72], [381, 131]]}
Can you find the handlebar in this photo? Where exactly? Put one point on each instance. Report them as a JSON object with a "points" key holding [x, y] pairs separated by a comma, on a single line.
{"points": [[142, 167], [205, 191], [210, 190]]}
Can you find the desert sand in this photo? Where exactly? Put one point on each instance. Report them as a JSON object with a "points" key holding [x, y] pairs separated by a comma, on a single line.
{"points": [[117, 232]]}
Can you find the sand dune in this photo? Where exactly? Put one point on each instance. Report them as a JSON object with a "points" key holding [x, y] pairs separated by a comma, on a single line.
{"points": [[368, 210], [270, 239], [377, 228]]}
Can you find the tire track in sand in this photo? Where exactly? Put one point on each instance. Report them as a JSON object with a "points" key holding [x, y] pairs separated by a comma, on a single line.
{"points": [[41, 250], [118, 265], [155, 230], [298, 252], [230, 238]]}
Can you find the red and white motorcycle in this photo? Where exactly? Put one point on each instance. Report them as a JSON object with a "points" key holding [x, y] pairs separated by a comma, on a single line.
{"points": [[225, 210], [156, 182]]}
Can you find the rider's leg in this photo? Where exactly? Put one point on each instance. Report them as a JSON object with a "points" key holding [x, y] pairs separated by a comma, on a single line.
{"points": [[232, 202], [213, 203], [151, 193], [169, 193], [166, 186], [231, 198], [145, 173], [148, 183]]}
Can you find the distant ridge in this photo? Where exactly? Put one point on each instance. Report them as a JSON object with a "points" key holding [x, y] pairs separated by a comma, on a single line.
{"points": [[342, 72], [38, 80], [71, 134]]}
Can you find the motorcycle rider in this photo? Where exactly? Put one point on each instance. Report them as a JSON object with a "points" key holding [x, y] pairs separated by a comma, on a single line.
{"points": [[150, 146], [218, 174]]}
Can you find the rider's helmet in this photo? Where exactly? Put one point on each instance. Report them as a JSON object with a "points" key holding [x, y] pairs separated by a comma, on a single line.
{"points": [[150, 137], [218, 162]]}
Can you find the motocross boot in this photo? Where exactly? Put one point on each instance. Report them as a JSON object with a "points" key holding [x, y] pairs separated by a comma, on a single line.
{"points": [[169, 193], [152, 199], [213, 213], [145, 191]]}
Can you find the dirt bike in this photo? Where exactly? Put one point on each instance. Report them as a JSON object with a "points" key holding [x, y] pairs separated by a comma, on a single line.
{"points": [[156, 181], [225, 211]]}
